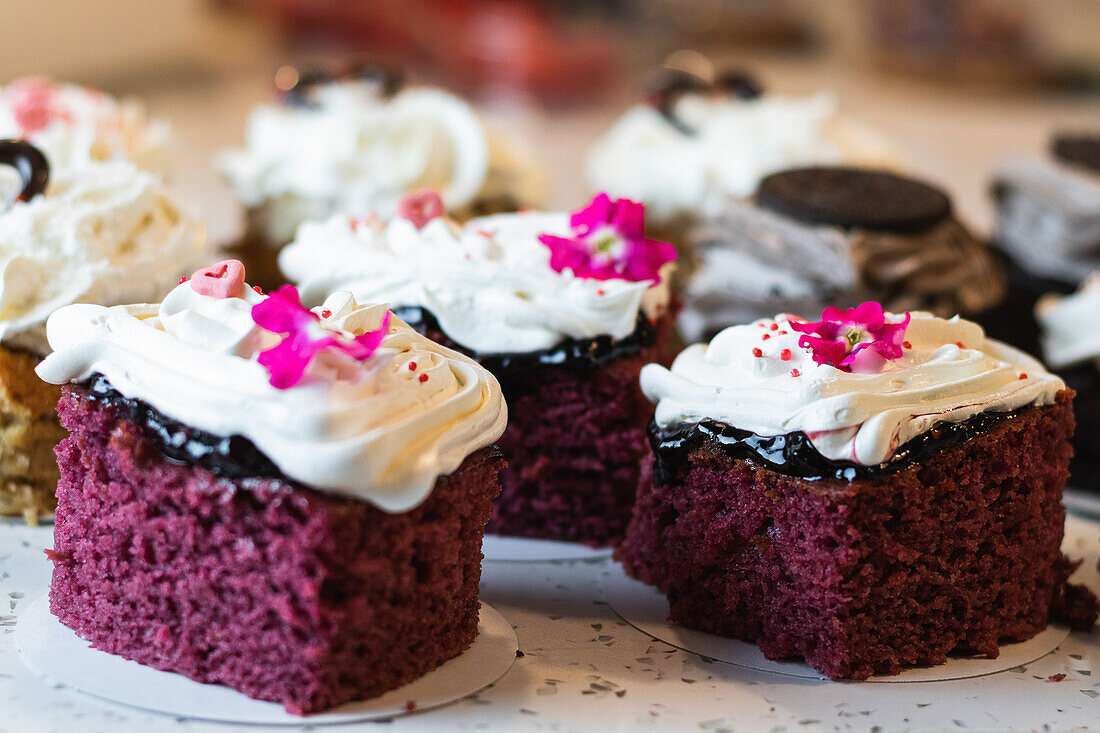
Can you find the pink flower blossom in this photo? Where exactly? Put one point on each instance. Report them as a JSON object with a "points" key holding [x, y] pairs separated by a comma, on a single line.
{"points": [[304, 337], [420, 207], [609, 243], [859, 339]]}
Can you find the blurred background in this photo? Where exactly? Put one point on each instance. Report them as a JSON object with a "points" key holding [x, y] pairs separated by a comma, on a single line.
{"points": [[957, 84]]}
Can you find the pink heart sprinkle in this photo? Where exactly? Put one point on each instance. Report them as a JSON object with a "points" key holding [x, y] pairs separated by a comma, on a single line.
{"points": [[420, 208], [222, 280]]}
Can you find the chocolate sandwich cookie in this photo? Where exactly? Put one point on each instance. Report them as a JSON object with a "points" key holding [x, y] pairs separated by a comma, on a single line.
{"points": [[854, 198]]}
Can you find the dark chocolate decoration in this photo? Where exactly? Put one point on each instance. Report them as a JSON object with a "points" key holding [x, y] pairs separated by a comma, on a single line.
{"points": [[854, 197], [669, 85], [573, 353], [793, 454], [1081, 150], [233, 456], [388, 81], [30, 163], [738, 84]]}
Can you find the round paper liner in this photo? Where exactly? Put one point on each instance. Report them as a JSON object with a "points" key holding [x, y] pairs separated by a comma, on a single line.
{"points": [[646, 609], [54, 651], [498, 548]]}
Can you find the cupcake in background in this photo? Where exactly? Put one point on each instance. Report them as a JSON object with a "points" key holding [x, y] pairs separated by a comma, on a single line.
{"points": [[103, 232], [563, 309], [810, 237], [695, 142], [76, 125], [358, 143], [1048, 229], [1070, 338]]}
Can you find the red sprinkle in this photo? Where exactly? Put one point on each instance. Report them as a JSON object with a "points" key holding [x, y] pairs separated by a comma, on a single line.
{"points": [[410, 705], [601, 291], [1057, 677], [796, 373], [183, 279], [782, 333], [1023, 376], [761, 325], [258, 289], [765, 337], [906, 344], [423, 377], [785, 354], [774, 326], [412, 366], [757, 353], [326, 313], [960, 344]]}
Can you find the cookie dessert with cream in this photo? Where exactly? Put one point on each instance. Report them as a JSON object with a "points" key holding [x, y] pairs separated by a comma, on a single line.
{"points": [[358, 142], [102, 232], [283, 501], [803, 475], [810, 237], [1047, 230], [563, 309]]}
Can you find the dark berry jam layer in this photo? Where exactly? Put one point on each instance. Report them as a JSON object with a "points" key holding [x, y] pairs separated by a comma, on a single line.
{"points": [[793, 454], [232, 457], [577, 353]]}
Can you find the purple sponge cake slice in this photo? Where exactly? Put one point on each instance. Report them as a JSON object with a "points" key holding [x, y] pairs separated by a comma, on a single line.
{"points": [[303, 525], [872, 493], [563, 309]]}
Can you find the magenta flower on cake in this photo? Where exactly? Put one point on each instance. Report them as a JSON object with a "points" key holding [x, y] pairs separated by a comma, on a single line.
{"points": [[304, 337], [609, 243], [859, 339]]}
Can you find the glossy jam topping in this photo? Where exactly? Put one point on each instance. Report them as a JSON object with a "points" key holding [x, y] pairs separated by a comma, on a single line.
{"points": [[576, 353], [793, 454], [231, 456]]}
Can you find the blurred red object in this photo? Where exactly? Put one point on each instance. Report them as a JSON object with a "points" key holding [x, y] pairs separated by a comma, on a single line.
{"points": [[524, 44]]}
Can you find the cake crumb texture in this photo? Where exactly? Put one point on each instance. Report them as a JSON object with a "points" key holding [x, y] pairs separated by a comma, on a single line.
{"points": [[29, 430], [952, 556], [282, 592]]}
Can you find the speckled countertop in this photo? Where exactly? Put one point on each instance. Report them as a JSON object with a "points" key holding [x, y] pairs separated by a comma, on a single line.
{"points": [[585, 669]]}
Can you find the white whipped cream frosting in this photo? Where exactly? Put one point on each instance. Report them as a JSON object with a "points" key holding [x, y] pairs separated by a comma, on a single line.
{"points": [[88, 126], [356, 153], [488, 282], [1070, 325], [374, 430], [103, 233], [861, 418], [736, 143]]}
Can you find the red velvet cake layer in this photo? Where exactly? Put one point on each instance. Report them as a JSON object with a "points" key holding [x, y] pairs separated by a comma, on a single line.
{"points": [[575, 441], [955, 554], [279, 591]]}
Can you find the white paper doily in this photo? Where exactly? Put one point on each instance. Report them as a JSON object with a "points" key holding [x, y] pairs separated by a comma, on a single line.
{"points": [[646, 609], [54, 651]]}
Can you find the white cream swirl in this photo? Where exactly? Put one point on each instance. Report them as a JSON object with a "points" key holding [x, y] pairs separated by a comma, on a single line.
{"points": [[735, 144], [83, 125], [1070, 326], [488, 282], [951, 373], [355, 152], [382, 430], [104, 233]]}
